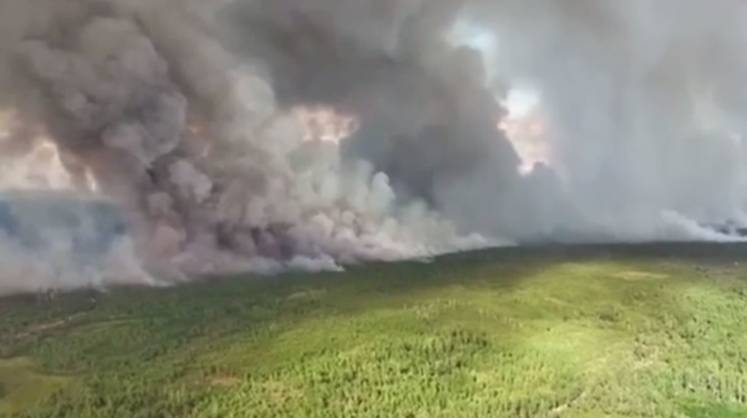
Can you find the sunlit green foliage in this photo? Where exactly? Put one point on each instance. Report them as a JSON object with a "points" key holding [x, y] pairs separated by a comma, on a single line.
{"points": [[648, 331]]}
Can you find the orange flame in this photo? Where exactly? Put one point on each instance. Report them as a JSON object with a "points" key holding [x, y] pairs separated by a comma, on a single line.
{"points": [[325, 124]]}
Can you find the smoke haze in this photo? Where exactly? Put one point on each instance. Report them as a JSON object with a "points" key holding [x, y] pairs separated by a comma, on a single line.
{"points": [[266, 135]]}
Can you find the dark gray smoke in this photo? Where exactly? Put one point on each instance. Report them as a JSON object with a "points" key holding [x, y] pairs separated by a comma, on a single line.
{"points": [[640, 109], [191, 140], [182, 112], [428, 114]]}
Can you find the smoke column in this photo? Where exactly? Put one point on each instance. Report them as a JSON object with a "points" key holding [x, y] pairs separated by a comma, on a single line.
{"points": [[266, 135]]}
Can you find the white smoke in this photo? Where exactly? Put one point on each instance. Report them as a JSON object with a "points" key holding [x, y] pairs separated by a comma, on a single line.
{"points": [[61, 240]]}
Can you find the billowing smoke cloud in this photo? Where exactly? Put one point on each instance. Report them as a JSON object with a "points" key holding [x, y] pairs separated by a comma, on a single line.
{"points": [[184, 113], [640, 102], [643, 104], [189, 139]]}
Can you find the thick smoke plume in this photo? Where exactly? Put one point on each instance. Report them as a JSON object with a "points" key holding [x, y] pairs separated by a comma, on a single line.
{"points": [[193, 118], [639, 106]]}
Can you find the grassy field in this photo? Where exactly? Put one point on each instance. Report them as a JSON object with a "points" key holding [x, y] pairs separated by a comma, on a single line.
{"points": [[639, 331]]}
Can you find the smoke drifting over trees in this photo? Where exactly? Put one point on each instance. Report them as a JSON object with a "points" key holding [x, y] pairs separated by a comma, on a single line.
{"points": [[183, 113]]}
